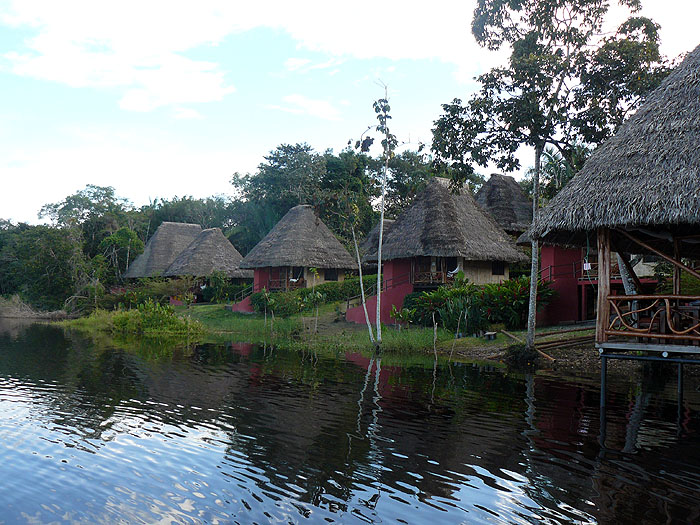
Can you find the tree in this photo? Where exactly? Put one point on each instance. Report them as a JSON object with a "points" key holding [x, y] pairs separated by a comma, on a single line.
{"points": [[296, 174], [556, 171], [95, 210], [409, 172], [540, 99], [120, 248]]}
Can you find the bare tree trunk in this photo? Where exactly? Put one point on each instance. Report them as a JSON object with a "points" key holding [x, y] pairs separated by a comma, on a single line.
{"points": [[379, 247], [362, 287], [628, 284], [534, 268]]}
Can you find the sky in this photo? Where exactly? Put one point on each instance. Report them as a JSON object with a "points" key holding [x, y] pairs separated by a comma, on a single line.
{"points": [[167, 98]]}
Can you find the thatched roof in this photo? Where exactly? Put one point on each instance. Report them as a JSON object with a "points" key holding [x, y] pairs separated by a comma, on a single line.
{"points": [[299, 239], [161, 249], [506, 201], [442, 224], [209, 251], [647, 175], [368, 247]]}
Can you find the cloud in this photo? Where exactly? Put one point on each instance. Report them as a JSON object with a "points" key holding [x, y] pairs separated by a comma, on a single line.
{"points": [[301, 105], [186, 113], [141, 167], [140, 48], [294, 64]]}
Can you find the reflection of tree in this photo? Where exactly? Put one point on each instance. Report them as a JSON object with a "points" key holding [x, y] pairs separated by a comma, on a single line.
{"points": [[355, 435]]}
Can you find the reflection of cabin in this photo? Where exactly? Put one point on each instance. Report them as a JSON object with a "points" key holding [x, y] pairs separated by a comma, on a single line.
{"points": [[439, 235], [169, 240], [299, 242], [639, 192]]}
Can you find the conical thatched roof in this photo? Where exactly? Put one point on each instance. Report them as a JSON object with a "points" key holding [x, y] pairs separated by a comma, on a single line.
{"points": [[209, 251], [442, 224], [368, 247], [299, 239], [648, 174], [505, 200], [161, 249]]}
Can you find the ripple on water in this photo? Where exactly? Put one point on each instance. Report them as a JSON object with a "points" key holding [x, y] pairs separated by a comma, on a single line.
{"points": [[107, 435]]}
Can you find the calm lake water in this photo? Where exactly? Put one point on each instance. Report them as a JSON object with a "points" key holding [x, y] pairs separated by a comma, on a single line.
{"points": [[236, 433]]}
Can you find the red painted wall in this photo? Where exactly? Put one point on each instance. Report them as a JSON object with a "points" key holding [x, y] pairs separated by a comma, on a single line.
{"points": [[243, 306], [560, 267], [398, 285], [261, 279]]}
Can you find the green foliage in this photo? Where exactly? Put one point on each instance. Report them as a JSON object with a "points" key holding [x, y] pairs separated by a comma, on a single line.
{"points": [[40, 263], [521, 357], [476, 307], [689, 284], [153, 289], [219, 288], [151, 317], [285, 304], [341, 187], [562, 85], [120, 249], [556, 171]]}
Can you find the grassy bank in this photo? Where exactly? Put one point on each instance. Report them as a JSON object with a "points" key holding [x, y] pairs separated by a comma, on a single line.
{"points": [[148, 320], [333, 334]]}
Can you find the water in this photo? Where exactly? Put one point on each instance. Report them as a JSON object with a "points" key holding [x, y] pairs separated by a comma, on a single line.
{"points": [[236, 433]]}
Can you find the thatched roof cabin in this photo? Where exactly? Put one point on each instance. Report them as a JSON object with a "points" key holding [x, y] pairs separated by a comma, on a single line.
{"points": [[300, 238], [648, 174], [507, 203], [440, 223], [368, 247], [210, 251], [169, 240]]}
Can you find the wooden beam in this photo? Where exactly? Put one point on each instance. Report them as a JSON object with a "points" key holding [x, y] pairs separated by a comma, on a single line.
{"points": [[628, 267], [642, 297], [652, 335], [676, 269], [513, 337], [660, 254], [603, 318], [646, 347]]}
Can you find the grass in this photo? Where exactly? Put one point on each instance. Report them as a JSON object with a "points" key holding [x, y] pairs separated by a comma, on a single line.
{"points": [[294, 332]]}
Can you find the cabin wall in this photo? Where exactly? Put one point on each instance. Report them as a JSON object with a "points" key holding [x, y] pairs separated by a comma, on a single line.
{"points": [[309, 277], [481, 272], [564, 279], [261, 279], [396, 275]]}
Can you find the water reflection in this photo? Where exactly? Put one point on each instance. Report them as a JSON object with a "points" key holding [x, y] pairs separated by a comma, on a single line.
{"points": [[222, 432]]}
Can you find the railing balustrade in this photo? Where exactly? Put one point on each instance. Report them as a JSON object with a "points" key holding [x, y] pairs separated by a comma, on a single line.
{"points": [[661, 317]]}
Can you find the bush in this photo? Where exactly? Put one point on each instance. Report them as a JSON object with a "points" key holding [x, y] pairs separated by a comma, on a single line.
{"points": [[155, 289], [285, 304], [152, 317], [475, 307], [219, 288]]}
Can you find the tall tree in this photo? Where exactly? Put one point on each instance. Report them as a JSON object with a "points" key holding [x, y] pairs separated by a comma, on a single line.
{"points": [[540, 98]]}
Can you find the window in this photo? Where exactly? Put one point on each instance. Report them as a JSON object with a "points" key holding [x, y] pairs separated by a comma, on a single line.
{"points": [[330, 274], [498, 268]]}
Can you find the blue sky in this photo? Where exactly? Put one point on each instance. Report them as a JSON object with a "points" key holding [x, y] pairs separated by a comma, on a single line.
{"points": [[163, 98]]}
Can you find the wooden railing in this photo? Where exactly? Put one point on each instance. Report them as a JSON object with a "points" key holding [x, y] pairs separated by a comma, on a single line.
{"points": [[431, 278], [285, 284], [666, 318]]}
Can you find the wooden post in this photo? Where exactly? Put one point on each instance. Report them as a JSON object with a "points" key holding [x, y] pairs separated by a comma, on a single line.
{"points": [[603, 319], [676, 269]]}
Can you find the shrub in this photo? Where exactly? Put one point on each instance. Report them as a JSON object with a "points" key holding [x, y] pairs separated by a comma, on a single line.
{"points": [[152, 317], [285, 304], [475, 307]]}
